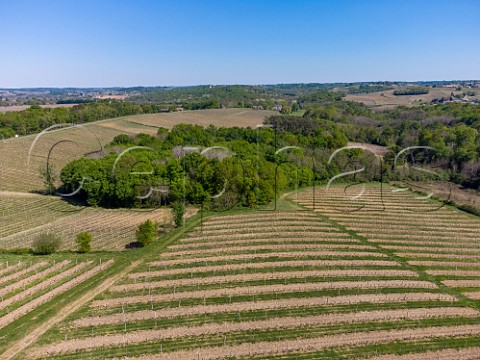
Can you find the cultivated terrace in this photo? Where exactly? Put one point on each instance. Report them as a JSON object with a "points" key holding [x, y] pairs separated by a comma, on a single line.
{"points": [[327, 276]]}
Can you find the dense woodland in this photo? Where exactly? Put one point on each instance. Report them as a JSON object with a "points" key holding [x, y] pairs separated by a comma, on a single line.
{"points": [[242, 166]]}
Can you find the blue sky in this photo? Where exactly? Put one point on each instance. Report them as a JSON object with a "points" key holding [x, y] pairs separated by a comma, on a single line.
{"points": [[86, 43]]}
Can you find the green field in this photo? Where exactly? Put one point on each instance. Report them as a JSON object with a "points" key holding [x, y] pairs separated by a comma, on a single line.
{"points": [[379, 276]]}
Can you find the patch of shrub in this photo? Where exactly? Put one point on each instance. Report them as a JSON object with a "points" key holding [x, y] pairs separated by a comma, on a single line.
{"points": [[83, 240], [46, 244], [146, 233], [178, 208]]}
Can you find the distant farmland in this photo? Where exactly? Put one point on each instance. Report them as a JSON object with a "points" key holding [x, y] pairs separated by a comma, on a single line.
{"points": [[218, 117], [386, 99], [4, 109]]}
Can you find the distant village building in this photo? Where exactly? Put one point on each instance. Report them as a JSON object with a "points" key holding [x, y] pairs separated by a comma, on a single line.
{"points": [[453, 99], [277, 107]]}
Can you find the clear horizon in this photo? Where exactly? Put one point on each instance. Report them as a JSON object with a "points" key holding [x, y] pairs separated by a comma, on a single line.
{"points": [[232, 84], [187, 43]]}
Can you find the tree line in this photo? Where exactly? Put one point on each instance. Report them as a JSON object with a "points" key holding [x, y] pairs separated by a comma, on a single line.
{"points": [[417, 90], [35, 118]]}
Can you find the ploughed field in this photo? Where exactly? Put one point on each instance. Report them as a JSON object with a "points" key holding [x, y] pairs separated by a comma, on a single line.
{"points": [[383, 276]]}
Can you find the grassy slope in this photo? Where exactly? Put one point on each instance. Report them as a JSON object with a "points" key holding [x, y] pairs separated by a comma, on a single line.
{"points": [[400, 347]]}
